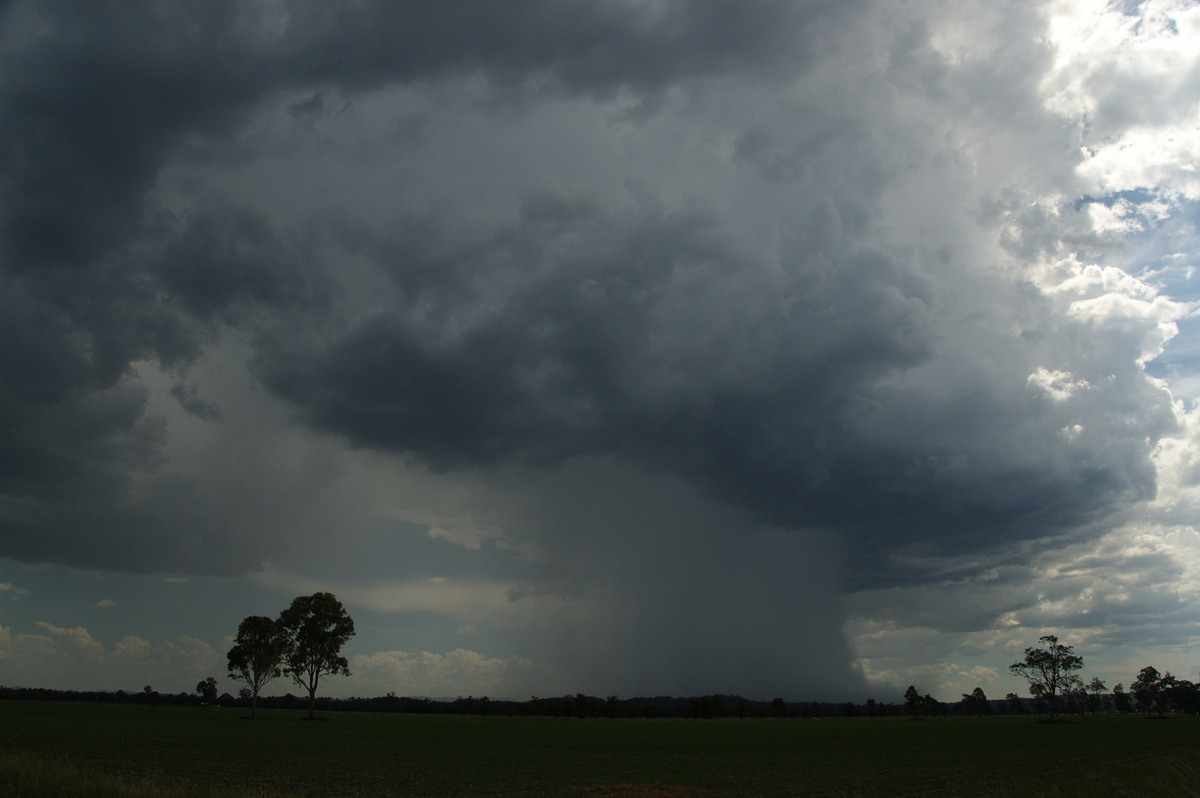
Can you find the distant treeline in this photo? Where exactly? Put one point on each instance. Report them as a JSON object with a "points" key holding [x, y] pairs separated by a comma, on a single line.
{"points": [[569, 706]]}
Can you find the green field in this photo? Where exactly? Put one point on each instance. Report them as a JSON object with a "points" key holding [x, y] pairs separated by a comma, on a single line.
{"points": [[82, 749]]}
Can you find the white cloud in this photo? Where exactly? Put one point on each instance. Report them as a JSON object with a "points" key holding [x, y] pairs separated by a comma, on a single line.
{"points": [[1132, 596], [131, 650], [1177, 458], [1125, 217], [71, 658], [457, 672], [75, 642], [470, 534], [186, 655], [12, 591], [1130, 81], [1060, 385], [1125, 309], [926, 662]]}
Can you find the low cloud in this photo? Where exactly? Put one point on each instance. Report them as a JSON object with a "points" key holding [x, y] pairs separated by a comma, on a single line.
{"points": [[457, 672], [71, 658]]}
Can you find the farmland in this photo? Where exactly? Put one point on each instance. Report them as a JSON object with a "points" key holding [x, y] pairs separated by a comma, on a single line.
{"points": [[61, 748]]}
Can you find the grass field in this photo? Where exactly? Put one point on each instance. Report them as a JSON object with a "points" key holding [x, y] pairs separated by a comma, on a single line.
{"points": [[68, 749]]}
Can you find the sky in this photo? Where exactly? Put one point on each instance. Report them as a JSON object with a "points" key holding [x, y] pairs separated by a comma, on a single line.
{"points": [[807, 349]]}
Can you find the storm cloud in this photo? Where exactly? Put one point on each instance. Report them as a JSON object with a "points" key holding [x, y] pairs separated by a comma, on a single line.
{"points": [[856, 286]]}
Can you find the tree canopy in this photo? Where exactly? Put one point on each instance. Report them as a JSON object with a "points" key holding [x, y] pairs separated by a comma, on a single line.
{"points": [[315, 629], [1050, 671], [257, 654], [976, 702], [1152, 689], [207, 690]]}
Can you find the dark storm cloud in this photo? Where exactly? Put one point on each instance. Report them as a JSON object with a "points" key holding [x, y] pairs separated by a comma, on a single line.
{"points": [[222, 263], [189, 400], [830, 381], [798, 394], [97, 276], [593, 48], [97, 94], [80, 437]]}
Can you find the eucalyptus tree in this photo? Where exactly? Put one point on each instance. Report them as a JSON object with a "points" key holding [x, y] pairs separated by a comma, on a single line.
{"points": [[1153, 689], [1095, 698], [257, 654], [1050, 671], [913, 701], [975, 702], [1121, 702], [315, 629], [207, 690]]}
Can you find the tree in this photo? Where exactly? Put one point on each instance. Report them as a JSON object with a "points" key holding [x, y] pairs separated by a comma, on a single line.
{"points": [[913, 701], [315, 627], [1050, 671], [1095, 689], [1075, 694], [257, 654], [1184, 696], [207, 690], [1152, 689], [1121, 702], [975, 702]]}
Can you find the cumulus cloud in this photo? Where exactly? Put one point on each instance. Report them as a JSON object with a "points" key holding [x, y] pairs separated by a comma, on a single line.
{"points": [[1133, 591], [457, 672], [1129, 81], [71, 658], [76, 641]]}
